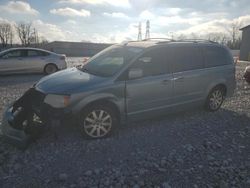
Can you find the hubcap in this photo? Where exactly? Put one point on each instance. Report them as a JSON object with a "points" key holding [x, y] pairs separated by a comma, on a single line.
{"points": [[97, 123], [216, 99], [50, 69]]}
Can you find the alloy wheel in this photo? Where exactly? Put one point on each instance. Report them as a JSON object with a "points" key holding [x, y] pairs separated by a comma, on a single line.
{"points": [[97, 123], [216, 99]]}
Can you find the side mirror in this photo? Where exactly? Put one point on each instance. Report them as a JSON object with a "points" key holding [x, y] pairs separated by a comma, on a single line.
{"points": [[135, 73]]}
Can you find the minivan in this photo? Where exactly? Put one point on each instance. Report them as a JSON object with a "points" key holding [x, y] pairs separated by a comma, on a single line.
{"points": [[126, 82]]}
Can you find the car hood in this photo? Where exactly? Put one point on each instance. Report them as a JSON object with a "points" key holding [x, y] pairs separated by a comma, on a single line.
{"points": [[68, 81]]}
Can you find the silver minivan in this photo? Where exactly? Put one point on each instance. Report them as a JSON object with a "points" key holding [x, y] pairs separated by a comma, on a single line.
{"points": [[125, 82]]}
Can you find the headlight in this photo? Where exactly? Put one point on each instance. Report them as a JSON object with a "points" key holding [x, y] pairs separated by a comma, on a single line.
{"points": [[57, 101], [247, 69]]}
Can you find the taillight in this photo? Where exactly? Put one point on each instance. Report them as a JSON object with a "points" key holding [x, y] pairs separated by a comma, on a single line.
{"points": [[63, 57]]}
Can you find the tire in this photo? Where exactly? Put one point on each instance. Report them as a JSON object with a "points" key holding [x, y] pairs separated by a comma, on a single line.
{"points": [[50, 68], [248, 80], [98, 121], [215, 99]]}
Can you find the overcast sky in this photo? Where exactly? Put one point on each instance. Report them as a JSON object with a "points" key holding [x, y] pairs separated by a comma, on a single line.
{"points": [[117, 20]]}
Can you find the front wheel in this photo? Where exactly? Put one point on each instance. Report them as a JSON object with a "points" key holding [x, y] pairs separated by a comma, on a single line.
{"points": [[97, 121], [215, 99]]}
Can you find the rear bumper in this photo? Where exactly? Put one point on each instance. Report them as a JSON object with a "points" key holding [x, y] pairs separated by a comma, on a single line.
{"points": [[62, 65]]}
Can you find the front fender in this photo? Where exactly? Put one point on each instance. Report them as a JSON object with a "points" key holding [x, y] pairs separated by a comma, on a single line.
{"points": [[119, 102]]}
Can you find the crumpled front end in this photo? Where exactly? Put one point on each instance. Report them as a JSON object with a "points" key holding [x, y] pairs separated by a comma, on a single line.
{"points": [[24, 120], [247, 74]]}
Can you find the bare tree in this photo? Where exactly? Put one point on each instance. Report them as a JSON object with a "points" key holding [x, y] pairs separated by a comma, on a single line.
{"points": [[24, 32], [181, 37], [218, 37], [234, 34], [43, 40], [34, 39], [6, 34]]}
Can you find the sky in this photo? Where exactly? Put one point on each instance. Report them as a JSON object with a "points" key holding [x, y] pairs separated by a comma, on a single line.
{"points": [[117, 20]]}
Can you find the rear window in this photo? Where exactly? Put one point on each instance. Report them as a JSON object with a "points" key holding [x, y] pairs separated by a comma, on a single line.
{"points": [[187, 58], [216, 56]]}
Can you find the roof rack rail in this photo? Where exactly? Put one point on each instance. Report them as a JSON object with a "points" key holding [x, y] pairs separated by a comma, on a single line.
{"points": [[126, 42], [195, 40], [179, 40], [165, 39]]}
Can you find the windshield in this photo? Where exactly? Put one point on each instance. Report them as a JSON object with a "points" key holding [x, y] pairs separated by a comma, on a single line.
{"points": [[111, 60]]}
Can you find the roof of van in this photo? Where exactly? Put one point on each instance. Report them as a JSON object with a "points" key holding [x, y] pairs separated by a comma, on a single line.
{"points": [[154, 42]]}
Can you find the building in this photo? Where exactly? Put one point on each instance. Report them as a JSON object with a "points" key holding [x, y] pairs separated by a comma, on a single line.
{"points": [[76, 49], [245, 44]]}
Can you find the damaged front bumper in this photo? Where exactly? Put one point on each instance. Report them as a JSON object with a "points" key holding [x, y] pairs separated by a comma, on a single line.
{"points": [[26, 118], [17, 137]]}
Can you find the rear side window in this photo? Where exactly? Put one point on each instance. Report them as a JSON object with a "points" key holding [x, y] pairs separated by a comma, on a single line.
{"points": [[153, 62], [187, 58], [215, 56], [33, 53]]}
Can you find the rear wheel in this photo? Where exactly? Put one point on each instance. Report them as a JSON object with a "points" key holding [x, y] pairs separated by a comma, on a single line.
{"points": [[215, 99], [50, 68], [98, 121]]}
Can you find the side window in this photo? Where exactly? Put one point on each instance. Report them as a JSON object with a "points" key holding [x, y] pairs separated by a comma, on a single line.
{"points": [[152, 62], [215, 56], [187, 58], [45, 53], [34, 53], [13, 54]]}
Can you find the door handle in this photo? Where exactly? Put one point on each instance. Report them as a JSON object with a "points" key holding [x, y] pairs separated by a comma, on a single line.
{"points": [[166, 81], [179, 79]]}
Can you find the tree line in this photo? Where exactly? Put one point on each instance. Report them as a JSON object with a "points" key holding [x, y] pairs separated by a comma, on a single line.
{"points": [[28, 35], [24, 32], [231, 37]]}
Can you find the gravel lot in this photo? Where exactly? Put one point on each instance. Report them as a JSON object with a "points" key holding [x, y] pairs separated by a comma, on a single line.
{"points": [[191, 149]]}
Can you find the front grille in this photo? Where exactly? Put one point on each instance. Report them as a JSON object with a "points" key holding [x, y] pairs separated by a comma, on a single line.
{"points": [[36, 97], [26, 107]]}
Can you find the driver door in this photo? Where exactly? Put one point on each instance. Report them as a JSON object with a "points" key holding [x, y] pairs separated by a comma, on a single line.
{"points": [[153, 91]]}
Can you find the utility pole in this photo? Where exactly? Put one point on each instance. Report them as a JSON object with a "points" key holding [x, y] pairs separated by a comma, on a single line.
{"points": [[139, 38], [147, 35]]}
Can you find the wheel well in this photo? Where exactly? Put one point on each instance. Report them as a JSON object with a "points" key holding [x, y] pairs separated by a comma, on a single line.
{"points": [[105, 102], [222, 86]]}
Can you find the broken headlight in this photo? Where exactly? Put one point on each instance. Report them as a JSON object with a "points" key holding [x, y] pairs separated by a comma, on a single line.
{"points": [[57, 101]]}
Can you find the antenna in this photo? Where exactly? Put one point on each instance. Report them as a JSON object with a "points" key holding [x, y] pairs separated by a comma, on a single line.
{"points": [[139, 38], [147, 36]]}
